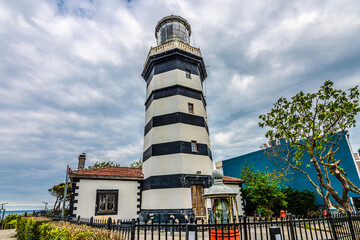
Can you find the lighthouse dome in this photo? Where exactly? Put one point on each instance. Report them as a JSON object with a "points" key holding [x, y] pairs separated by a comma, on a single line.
{"points": [[172, 28]]}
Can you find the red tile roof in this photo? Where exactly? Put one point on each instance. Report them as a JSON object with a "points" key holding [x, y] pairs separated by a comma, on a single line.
{"points": [[110, 172], [126, 172], [227, 179]]}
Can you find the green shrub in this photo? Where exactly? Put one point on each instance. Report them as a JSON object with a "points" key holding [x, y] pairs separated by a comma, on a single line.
{"points": [[44, 229], [27, 228], [10, 221], [65, 231], [300, 201], [11, 217]]}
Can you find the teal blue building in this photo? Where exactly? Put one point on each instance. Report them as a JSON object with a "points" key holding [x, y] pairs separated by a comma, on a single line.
{"points": [[260, 161]]}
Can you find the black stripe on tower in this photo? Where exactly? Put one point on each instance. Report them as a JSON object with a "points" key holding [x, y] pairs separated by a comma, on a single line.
{"points": [[175, 90], [176, 147], [166, 215], [176, 181], [174, 59], [178, 117]]}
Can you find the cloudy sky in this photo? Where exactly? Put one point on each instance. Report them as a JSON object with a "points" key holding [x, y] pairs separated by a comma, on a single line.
{"points": [[70, 76]]}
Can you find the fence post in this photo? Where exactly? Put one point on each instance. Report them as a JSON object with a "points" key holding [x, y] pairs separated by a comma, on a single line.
{"points": [[191, 230], [245, 227], [133, 229], [275, 233], [91, 221], [291, 226], [109, 223], [351, 225], [331, 220]]}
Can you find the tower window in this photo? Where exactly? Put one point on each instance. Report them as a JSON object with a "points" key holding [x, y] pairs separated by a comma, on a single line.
{"points": [[188, 73], [191, 107], [193, 146]]}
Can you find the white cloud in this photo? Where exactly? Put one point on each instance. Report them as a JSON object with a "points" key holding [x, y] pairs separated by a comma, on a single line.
{"points": [[242, 83]]}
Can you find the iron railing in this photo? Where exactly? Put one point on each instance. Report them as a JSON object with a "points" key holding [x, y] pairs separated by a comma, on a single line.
{"points": [[346, 226]]}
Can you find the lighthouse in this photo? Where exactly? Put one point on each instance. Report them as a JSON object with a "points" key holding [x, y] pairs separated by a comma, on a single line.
{"points": [[177, 160]]}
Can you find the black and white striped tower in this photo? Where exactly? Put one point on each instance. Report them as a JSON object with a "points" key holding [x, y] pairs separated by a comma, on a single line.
{"points": [[177, 156]]}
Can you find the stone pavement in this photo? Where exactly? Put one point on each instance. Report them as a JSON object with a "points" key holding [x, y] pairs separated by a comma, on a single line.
{"points": [[8, 234]]}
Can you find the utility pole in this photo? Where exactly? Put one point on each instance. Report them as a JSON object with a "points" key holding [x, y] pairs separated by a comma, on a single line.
{"points": [[65, 191], [3, 210], [45, 205]]}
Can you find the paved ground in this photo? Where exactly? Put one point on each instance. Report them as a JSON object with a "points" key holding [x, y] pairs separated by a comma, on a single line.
{"points": [[8, 234]]}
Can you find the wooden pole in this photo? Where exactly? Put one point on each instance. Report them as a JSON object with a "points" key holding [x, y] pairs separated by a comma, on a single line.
{"points": [[236, 210]]}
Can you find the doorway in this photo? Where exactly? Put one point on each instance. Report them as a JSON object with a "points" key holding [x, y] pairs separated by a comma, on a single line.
{"points": [[198, 201]]}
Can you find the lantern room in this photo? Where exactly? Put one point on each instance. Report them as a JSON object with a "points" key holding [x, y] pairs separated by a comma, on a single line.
{"points": [[172, 28]]}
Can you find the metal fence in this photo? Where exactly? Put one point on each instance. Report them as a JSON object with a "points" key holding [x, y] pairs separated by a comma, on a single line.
{"points": [[345, 226]]}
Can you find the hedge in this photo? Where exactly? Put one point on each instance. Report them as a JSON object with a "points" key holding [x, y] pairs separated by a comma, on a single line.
{"points": [[45, 229]]}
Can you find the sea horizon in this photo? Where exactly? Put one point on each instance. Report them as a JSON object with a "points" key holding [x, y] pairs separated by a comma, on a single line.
{"points": [[18, 212]]}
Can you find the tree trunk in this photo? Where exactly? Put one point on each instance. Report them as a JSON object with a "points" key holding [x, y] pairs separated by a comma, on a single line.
{"points": [[327, 200], [344, 200], [57, 199], [346, 205]]}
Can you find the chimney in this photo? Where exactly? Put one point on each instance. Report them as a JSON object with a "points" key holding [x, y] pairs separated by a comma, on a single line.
{"points": [[81, 162]]}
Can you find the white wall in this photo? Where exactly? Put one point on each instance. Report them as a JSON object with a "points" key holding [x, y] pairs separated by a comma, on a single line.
{"points": [[170, 198], [127, 199]]}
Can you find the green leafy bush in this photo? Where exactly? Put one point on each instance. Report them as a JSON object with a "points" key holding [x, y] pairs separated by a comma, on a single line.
{"points": [[300, 201], [65, 230], [10, 221], [45, 229], [27, 228], [262, 190]]}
